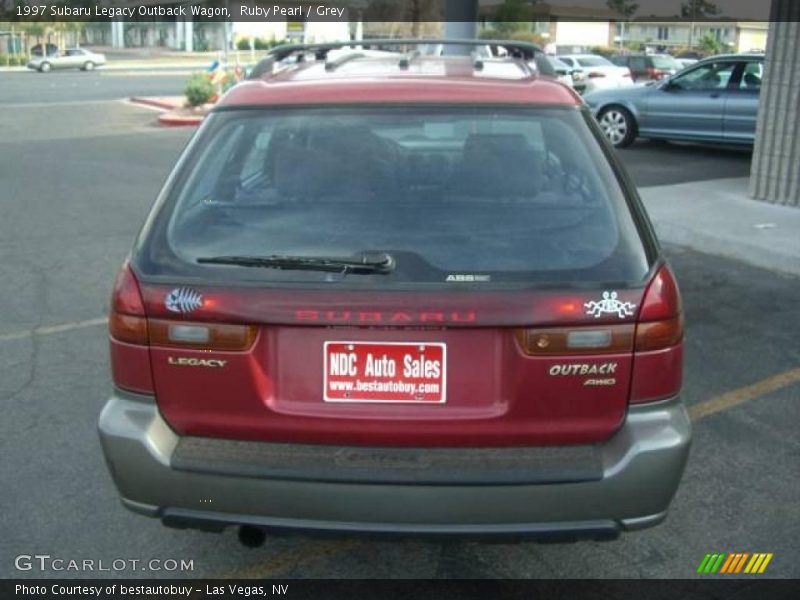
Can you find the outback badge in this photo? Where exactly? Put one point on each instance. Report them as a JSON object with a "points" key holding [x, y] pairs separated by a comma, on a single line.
{"points": [[183, 300], [609, 305]]}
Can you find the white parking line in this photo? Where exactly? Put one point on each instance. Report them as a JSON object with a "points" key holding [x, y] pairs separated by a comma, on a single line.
{"points": [[142, 105], [56, 103], [51, 329]]}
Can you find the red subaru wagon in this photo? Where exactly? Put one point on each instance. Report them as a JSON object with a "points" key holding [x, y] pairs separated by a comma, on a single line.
{"points": [[389, 292]]}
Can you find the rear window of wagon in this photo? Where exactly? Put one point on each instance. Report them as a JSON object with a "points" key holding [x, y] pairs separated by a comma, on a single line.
{"points": [[505, 194]]}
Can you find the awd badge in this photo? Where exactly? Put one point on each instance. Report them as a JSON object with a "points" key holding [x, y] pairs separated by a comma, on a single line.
{"points": [[183, 300]]}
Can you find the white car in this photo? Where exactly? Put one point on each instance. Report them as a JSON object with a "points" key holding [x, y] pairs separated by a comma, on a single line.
{"points": [[72, 58], [598, 73], [564, 72]]}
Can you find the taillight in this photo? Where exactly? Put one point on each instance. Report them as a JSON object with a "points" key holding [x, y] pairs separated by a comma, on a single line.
{"points": [[608, 339], [132, 334], [127, 322], [658, 358], [202, 336], [127, 325], [655, 73], [662, 300], [659, 334], [595, 74]]}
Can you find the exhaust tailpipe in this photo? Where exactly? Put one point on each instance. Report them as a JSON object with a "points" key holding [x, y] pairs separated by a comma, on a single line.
{"points": [[252, 537]]}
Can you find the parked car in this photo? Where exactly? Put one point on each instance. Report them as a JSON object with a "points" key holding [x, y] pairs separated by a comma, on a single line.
{"points": [[412, 295], [597, 72], [47, 48], [686, 62], [564, 73], [690, 54], [648, 67], [72, 58], [715, 100]]}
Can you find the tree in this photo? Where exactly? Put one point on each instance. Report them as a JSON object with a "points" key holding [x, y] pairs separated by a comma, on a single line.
{"points": [[626, 8], [709, 44], [512, 15], [691, 9]]}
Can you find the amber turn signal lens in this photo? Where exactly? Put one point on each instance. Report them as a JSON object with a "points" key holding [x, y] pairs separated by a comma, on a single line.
{"points": [[659, 334], [202, 336], [576, 340], [127, 328]]}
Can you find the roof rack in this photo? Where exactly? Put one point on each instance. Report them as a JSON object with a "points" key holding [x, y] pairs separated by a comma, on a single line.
{"points": [[516, 50], [332, 65]]}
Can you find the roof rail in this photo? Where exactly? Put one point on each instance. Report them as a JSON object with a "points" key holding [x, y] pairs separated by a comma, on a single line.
{"points": [[332, 65], [524, 51], [405, 62]]}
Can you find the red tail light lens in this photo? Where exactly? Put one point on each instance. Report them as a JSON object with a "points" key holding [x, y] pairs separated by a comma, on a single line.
{"points": [[662, 299], [596, 74], [658, 360], [659, 334], [661, 317], [130, 355], [127, 322]]}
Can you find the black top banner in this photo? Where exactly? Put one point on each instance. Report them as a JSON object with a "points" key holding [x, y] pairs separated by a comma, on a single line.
{"points": [[399, 10]]}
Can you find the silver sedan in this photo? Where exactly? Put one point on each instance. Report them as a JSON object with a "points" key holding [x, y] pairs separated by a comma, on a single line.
{"points": [[73, 58], [714, 100]]}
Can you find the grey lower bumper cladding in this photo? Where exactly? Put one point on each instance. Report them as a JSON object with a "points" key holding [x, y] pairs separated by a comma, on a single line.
{"points": [[626, 482]]}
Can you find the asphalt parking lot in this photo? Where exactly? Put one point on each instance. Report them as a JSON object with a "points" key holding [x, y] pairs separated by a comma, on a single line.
{"points": [[78, 172]]}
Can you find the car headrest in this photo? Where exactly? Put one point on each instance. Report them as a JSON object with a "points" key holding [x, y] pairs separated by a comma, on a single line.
{"points": [[497, 164], [752, 80], [332, 161]]}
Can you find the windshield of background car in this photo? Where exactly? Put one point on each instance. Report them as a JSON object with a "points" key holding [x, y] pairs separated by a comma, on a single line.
{"points": [[594, 61], [665, 63], [508, 193]]}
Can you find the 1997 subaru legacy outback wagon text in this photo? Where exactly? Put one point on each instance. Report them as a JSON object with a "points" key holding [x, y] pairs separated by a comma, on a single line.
{"points": [[388, 292]]}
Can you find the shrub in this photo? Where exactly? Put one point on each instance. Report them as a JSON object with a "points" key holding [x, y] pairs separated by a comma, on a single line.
{"points": [[602, 50], [528, 36], [258, 43], [199, 90]]}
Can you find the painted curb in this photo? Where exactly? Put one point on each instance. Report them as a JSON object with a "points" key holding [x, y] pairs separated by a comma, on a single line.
{"points": [[172, 120], [153, 103]]}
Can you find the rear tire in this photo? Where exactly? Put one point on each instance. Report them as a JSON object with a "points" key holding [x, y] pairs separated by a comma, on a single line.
{"points": [[45, 67], [88, 66], [618, 126]]}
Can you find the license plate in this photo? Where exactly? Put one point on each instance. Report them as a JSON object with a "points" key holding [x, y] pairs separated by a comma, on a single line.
{"points": [[398, 372]]}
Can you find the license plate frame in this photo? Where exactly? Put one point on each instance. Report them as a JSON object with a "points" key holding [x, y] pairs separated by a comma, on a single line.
{"points": [[437, 351]]}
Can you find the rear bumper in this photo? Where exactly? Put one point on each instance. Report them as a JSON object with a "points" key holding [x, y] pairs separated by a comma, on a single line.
{"points": [[639, 471]]}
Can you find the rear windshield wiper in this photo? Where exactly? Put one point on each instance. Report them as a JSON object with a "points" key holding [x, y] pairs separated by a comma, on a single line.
{"points": [[366, 264]]}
